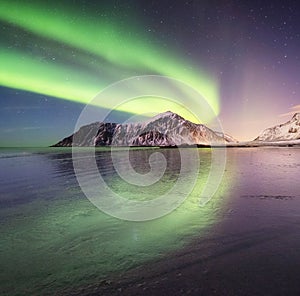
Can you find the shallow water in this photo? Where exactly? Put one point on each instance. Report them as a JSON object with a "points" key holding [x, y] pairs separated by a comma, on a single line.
{"points": [[54, 239]]}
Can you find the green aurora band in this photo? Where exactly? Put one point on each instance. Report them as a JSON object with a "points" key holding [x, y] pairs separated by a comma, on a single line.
{"points": [[120, 52]]}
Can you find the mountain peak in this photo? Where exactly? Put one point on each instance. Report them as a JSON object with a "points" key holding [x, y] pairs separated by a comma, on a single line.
{"points": [[287, 131], [296, 116], [164, 129], [166, 114]]}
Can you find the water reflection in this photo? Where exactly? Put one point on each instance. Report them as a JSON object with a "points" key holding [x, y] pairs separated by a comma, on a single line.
{"points": [[56, 237]]}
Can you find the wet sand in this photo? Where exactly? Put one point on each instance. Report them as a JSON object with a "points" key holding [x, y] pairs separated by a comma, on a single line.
{"points": [[244, 241], [252, 250], [250, 263]]}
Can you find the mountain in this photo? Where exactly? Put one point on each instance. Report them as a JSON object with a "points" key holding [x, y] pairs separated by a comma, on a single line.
{"points": [[288, 131], [165, 129]]}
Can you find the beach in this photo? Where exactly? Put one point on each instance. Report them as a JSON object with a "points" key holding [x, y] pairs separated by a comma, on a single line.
{"points": [[244, 241]]}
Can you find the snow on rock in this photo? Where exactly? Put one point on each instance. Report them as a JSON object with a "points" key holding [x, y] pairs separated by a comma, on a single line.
{"points": [[284, 132], [165, 129]]}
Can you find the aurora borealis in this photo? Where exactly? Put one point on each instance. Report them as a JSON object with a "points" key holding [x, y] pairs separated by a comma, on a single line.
{"points": [[113, 47], [55, 57]]}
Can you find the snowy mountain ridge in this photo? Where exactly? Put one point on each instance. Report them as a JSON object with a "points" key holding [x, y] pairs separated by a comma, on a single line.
{"points": [[165, 129], [169, 129], [283, 132]]}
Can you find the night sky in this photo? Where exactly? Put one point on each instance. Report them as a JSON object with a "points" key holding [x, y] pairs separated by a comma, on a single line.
{"points": [[243, 57]]}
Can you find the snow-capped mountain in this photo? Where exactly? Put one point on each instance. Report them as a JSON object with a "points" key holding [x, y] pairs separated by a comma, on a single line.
{"points": [[165, 129], [284, 132]]}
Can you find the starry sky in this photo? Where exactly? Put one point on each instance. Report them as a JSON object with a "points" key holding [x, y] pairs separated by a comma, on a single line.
{"points": [[243, 57]]}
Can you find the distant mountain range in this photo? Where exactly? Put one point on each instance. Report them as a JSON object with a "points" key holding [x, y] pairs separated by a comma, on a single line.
{"points": [[168, 129]]}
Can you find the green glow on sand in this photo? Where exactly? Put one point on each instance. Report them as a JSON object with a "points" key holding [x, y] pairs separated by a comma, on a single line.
{"points": [[54, 242], [122, 47]]}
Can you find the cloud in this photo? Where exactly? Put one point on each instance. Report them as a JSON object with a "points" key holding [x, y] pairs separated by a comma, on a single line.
{"points": [[24, 128], [296, 107], [293, 110], [16, 108]]}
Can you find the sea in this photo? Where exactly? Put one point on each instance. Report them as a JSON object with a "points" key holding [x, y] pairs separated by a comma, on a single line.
{"points": [[243, 240]]}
